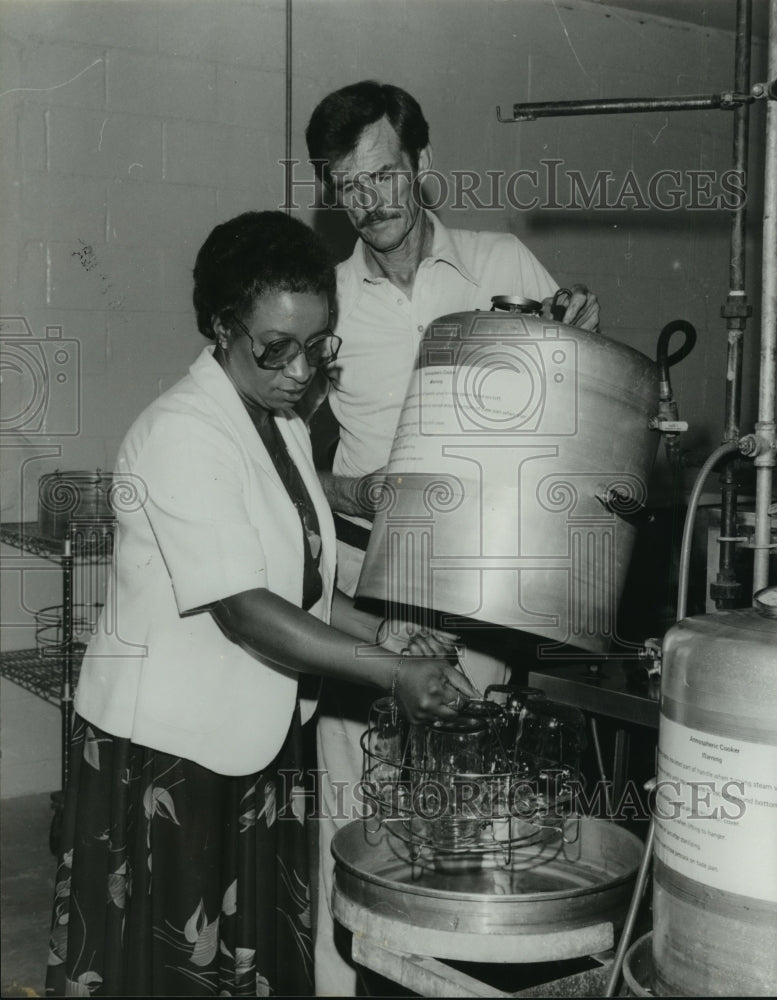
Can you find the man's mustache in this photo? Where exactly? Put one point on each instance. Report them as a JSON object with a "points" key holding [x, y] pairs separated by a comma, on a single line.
{"points": [[374, 217]]}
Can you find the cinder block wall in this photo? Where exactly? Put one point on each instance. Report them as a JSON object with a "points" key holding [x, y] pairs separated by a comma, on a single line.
{"points": [[130, 129]]}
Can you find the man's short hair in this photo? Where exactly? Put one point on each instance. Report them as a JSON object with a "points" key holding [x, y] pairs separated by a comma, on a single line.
{"points": [[341, 117]]}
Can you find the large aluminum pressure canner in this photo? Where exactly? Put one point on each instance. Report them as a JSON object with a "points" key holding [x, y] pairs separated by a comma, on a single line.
{"points": [[517, 477]]}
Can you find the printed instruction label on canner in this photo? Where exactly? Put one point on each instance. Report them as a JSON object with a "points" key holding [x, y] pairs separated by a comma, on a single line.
{"points": [[716, 810]]}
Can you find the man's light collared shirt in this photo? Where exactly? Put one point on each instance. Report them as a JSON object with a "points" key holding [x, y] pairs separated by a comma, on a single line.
{"points": [[381, 328]]}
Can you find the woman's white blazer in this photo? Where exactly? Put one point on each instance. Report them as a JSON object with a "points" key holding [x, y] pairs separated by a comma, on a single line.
{"points": [[202, 514]]}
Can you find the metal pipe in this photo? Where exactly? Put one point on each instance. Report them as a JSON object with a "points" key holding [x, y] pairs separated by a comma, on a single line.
{"points": [[685, 549], [287, 198], [765, 426], [600, 764], [726, 590], [621, 105]]}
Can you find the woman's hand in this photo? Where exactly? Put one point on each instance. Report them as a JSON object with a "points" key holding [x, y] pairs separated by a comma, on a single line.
{"points": [[428, 686], [416, 640], [429, 689]]}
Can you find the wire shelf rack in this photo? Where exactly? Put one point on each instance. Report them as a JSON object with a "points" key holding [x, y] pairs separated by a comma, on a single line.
{"points": [[39, 670], [91, 540]]}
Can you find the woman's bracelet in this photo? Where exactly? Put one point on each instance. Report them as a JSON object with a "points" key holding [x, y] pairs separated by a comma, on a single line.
{"points": [[380, 636]]}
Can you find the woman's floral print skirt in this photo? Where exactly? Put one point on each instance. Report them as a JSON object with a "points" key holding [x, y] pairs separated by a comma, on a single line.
{"points": [[176, 881]]}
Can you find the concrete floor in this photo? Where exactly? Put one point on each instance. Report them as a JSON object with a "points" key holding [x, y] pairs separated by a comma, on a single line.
{"points": [[27, 870]]}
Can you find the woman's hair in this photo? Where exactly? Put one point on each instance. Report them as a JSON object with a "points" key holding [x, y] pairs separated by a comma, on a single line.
{"points": [[338, 121], [256, 253]]}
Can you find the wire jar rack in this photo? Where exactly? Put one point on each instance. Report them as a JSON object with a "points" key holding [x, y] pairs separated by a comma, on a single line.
{"points": [[497, 777]]}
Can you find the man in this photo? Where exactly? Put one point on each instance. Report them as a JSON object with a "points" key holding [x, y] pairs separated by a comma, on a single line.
{"points": [[369, 143]]}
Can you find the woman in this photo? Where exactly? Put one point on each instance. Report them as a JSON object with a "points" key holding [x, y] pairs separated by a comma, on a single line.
{"points": [[183, 868]]}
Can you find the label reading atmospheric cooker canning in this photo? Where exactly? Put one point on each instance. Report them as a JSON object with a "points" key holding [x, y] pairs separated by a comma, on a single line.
{"points": [[716, 810]]}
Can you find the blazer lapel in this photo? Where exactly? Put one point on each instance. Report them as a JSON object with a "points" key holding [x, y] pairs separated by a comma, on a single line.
{"points": [[212, 379]]}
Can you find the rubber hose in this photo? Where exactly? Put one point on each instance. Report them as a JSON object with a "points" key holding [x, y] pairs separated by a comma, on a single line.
{"points": [[693, 503], [664, 360]]}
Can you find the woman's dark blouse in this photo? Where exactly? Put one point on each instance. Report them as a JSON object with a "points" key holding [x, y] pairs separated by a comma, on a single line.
{"points": [[312, 584]]}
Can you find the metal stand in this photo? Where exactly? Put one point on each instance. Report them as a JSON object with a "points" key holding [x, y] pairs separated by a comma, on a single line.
{"points": [[430, 977], [51, 674], [66, 697]]}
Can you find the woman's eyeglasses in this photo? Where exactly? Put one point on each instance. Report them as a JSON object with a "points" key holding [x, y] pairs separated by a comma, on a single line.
{"points": [[319, 350]]}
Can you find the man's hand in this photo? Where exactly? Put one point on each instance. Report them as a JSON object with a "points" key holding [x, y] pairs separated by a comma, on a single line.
{"points": [[315, 395], [582, 309], [358, 496]]}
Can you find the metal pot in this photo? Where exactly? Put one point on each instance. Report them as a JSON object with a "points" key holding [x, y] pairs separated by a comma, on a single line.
{"points": [[517, 476], [560, 897], [63, 496]]}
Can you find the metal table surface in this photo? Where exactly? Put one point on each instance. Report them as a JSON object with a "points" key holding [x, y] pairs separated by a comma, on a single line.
{"points": [[615, 688]]}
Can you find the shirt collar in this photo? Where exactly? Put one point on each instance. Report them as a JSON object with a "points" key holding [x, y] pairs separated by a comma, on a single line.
{"points": [[443, 249]]}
